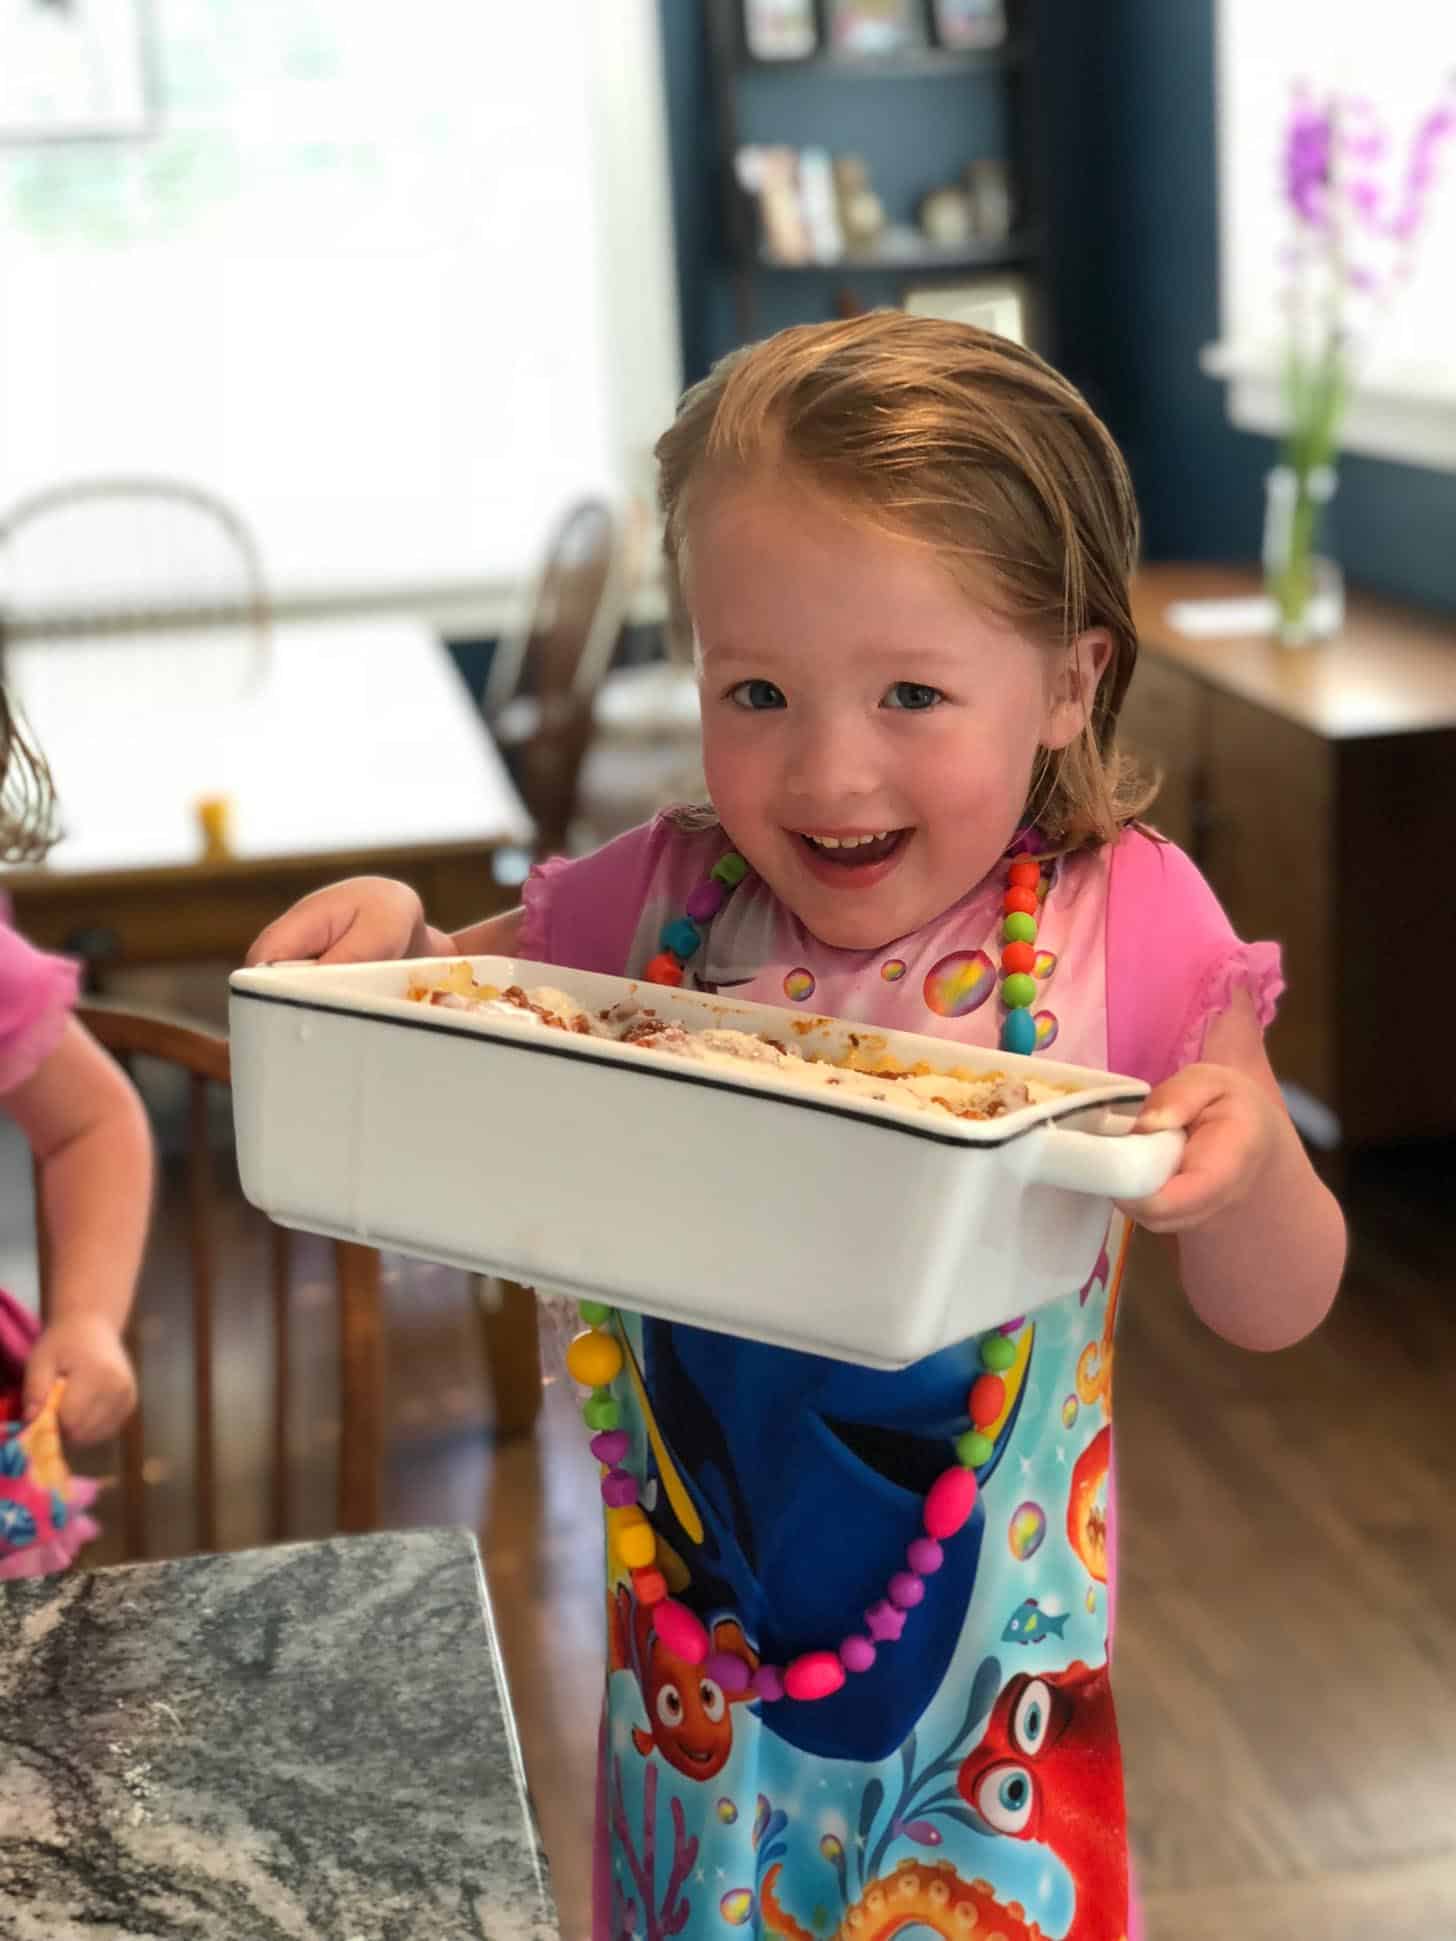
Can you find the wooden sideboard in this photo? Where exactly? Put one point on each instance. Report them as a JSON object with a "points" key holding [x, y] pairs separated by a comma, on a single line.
{"points": [[1316, 789]]}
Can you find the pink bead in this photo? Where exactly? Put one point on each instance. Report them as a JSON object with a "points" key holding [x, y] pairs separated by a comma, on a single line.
{"points": [[726, 1670], [924, 1556], [680, 1631], [619, 1489], [948, 1502], [768, 1683], [905, 1590], [706, 901], [883, 1622], [856, 1654], [610, 1446], [818, 1674]]}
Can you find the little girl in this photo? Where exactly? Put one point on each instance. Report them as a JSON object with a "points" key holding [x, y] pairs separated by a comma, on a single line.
{"points": [[88, 1135], [904, 546]]}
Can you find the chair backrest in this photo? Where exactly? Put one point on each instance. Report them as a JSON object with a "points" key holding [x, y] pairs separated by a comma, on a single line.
{"points": [[131, 555], [201, 1057], [546, 672]]}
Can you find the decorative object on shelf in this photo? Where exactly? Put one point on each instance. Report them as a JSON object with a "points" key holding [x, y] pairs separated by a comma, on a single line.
{"points": [[946, 217], [871, 29], [1353, 246], [999, 303], [861, 213], [969, 23], [819, 202], [75, 73], [771, 177], [780, 30], [993, 208]]}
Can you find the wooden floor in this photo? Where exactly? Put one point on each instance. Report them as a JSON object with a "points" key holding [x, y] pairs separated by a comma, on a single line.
{"points": [[1286, 1655]]}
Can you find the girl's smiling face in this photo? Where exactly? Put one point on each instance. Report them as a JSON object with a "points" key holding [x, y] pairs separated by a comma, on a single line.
{"points": [[851, 690]]}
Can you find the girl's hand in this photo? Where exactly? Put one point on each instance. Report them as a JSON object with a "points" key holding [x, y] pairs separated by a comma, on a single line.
{"points": [[1232, 1124], [365, 919], [86, 1352]]}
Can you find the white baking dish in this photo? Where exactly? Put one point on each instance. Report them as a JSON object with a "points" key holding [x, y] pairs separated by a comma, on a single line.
{"points": [[733, 1200]]}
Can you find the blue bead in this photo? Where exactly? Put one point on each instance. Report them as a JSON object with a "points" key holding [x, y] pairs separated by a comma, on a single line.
{"points": [[1018, 1033], [681, 937]]}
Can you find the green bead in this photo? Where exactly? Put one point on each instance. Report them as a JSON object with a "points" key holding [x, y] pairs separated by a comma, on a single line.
{"points": [[1019, 928], [603, 1411], [1018, 990], [972, 1449], [730, 870], [596, 1314], [998, 1353]]}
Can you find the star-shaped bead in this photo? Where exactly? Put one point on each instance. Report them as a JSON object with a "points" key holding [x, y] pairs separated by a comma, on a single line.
{"points": [[883, 1622]]}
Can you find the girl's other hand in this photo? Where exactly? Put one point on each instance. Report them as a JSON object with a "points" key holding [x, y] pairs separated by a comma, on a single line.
{"points": [[1233, 1125], [365, 919], [86, 1352]]}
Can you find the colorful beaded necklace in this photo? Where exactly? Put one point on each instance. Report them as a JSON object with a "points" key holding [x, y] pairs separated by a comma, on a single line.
{"points": [[597, 1357], [682, 937]]}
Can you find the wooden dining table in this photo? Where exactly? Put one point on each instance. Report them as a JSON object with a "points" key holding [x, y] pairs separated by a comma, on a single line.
{"points": [[350, 747]]}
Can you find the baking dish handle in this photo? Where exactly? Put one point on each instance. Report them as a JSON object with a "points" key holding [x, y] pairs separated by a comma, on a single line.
{"points": [[1120, 1166]]}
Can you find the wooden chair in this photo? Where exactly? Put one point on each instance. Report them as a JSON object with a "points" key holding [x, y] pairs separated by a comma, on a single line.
{"points": [[203, 1057], [543, 681], [131, 554]]}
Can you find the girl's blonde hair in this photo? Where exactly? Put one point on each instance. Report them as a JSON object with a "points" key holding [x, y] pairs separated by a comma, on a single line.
{"points": [[970, 445], [28, 827]]}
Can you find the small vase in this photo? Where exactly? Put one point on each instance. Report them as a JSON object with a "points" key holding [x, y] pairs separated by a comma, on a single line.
{"points": [[1305, 584]]}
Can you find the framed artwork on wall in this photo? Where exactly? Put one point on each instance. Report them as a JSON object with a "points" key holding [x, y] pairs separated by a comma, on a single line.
{"points": [[76, 70], [780, 30]]}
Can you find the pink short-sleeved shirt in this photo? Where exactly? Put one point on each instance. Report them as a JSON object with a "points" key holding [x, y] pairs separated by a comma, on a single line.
{"points": [[972, 1768], [37, 993]]}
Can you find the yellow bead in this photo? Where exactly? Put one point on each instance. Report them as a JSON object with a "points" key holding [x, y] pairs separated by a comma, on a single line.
{"points": [[636, 1546], [594, 1359]]}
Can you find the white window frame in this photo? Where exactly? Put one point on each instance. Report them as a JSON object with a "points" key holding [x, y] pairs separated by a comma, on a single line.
{"points": [[1405, 412]]}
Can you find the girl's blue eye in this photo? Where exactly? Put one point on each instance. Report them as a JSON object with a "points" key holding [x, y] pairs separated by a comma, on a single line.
{"points": [[913, 697], [757, 696]]}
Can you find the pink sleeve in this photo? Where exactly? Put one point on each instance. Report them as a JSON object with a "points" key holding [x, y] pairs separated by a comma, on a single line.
{"points": [[37, 992], [1173, 961], [582, 911]]}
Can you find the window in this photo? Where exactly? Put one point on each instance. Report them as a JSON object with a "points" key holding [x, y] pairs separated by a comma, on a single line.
{"points": [[395, 280], [1397, 56]]}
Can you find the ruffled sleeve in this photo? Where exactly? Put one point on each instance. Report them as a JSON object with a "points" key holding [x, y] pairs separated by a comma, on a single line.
{"points": [[583, 911], [37, 994], [1174, 961]]}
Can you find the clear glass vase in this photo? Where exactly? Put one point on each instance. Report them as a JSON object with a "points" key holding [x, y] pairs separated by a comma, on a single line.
{"points": [[1300, 577]]}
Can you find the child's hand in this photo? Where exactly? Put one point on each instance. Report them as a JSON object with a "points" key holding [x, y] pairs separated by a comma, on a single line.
{"points": [[363, 920], [87, 1353], [1232, 1123]]}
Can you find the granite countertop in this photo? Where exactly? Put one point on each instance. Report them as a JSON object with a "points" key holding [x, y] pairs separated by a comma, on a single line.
{"points": [[309, 1743]]}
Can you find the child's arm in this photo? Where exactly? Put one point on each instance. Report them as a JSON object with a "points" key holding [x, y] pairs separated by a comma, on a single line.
{"points": [[372, 919], [1261, 1240], [93, 1150]]}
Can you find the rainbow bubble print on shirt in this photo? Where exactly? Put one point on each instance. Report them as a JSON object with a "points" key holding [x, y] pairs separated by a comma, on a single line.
{"points": [[959, 984]]}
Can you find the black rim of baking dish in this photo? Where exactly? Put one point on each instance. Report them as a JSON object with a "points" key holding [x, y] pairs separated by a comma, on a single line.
{"points": [[579, 1052]]}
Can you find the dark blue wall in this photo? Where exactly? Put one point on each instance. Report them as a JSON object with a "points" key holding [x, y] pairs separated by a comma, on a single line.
{"points": [[1129, 96]]}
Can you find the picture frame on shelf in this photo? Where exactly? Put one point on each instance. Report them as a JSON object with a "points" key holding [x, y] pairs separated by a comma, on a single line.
{"points": [[79, 72], [966, 26], [780, 30], [874, 29], [999, 303]]}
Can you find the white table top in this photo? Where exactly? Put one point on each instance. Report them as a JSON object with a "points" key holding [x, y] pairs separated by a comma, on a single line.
{"points": [[358, 735]]}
